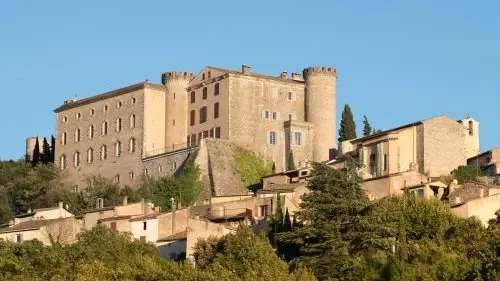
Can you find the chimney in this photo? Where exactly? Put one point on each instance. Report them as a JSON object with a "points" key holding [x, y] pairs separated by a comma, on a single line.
{"points": [[125, 201], [29, 211], [61, 205], [284, 75], [245, 69], [67, 207], [16, 221], [297, 77]]}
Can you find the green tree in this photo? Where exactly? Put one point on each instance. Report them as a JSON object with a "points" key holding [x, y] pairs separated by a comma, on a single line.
{"points": [[287, 222], [464, 174], [290, 165], [367, 129], [46, 154], [36, 153], [347, 129], [251, 167], [52, 149]]}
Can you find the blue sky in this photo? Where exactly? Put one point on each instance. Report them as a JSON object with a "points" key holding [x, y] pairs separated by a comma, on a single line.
{"points": [[398, 61]]}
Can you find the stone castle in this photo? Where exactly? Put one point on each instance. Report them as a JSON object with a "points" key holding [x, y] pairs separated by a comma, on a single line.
{"points": [[150, 129]]}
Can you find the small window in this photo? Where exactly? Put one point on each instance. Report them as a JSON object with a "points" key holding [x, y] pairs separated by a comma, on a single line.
{"points": [[104, 128], [203, 115], [272, 138], [77, 135], [92, 112], [119, 104], [205, 134], [174, 166], [104, 152], [113, 225], [192, 118], [118, 149], [193, 96], [217, 132], [132, 121], [133, 101], [386, 162], [105, 108], [144, 225], [263, 211], [63, 138], [291, 96], [373, 164], [209, 74], [90, 155], [65, 119], [205, 93], [146, 172], [160, 169], [117, 178], [216, 110], [298, 138], [188, 141], [131, 145], [19, 238], [193, 140], [211, 132], [76, 159], [91, 131], [276, 115], [63, 162], [216, 89], [78, 116], [131, 175], [203, 76], [265, 114], [118, 124], [471, 128]]}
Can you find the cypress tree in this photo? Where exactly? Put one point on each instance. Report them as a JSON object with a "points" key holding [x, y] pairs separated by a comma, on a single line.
{"points": [[36, 153], [367, 129], [347, 129], [287, 222], [46, 154], [52, 149], [291, 162]]}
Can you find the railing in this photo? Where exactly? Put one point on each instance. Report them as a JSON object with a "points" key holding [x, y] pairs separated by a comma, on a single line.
{"points": [[223, 213], [172, 148]]}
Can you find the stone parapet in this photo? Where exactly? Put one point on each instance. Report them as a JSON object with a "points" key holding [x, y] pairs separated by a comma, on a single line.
{"points": [[322, 71], [176, 76]]}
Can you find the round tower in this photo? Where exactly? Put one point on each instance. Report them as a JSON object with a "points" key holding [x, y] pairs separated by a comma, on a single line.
{"points": [[320, 109], [176, 107]]}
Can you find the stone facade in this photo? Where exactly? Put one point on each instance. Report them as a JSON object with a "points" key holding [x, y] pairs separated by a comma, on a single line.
{"points": [[117, 133]]}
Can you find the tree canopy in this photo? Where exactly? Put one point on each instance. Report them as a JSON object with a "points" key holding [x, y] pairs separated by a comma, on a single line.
{"points": [[347, 129]]}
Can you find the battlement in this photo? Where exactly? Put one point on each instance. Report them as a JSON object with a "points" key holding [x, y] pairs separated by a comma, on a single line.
{"points": [[176, 76], [316, 70]]}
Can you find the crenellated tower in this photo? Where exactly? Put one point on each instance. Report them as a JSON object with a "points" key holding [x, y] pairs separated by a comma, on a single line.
{"points": [[320, 108], [176, 115]]}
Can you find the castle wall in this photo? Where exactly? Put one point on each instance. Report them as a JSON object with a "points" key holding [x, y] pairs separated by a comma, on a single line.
{"points": [[166, 164], [154, 122]]}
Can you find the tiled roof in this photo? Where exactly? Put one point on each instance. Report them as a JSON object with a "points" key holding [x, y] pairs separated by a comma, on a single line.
{"points": [[281, 187], [100, 209], [29, 225], [146, 217], [176, 236], [115, 218]]}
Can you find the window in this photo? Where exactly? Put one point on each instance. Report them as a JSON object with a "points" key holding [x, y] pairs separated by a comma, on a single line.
{"points": [[104, 128], [373, 164], [131, 175], [209, 74], [146, 172], [118, 149], [291, 96], [91, 131], [263, 211], [118, 124], [203, 115], [211, 132], [132, 121], [65, 119], [63, 162], [76, 159], [203, 76], [63, 138], [113, 225], [133, 101], [90, 155], [105, 108], [205, 134], [193, 96], [119, 104], [265, 114], [131, 145], [160, 168], [216, 110], [174, 166], [173, 122], [116, 178], [298, 138], [471, 128], [386, 162], [144, 225], [217, 132], [104, 152], [200, 136], [205, 93], [276, 115], [19, 238], [192, 118], [92, 111], [216, 89], [78, 116], [418, 192], [77, 135], [272, 137], [193, 140]]}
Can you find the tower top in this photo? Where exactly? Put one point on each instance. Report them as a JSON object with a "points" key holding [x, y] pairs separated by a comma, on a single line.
{"points": [[176, 76], [320, 71]]}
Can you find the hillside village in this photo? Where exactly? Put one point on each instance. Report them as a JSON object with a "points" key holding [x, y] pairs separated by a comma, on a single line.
{"points": [[255, 141]]}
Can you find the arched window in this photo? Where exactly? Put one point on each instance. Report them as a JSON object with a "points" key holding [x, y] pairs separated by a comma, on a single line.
{"points": [[63, 138], [118, 124], [76, 159], [63, 162], [104, 128], [104, 152], [131, 145], [119, 104], [132, 121], [90, 155], [118, 149], [91, 131], [77, 135], [272, 138]]}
